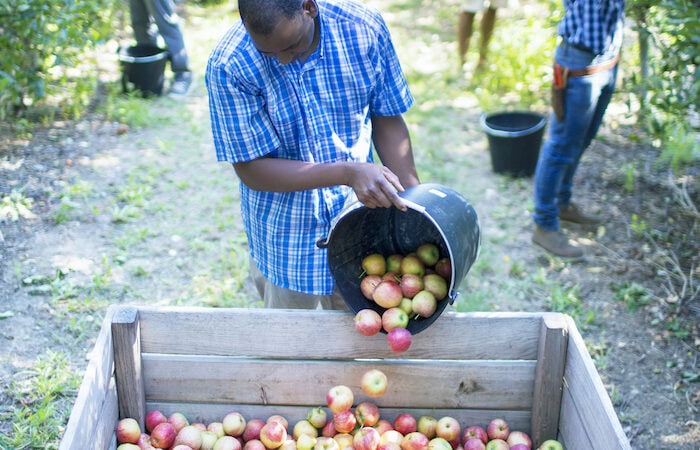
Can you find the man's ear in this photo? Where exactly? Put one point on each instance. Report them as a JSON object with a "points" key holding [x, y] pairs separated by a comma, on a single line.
{"points": [[311, 8]]}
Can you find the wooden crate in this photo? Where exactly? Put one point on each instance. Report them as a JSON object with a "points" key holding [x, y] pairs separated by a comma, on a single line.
{"points": [[530, 368]]}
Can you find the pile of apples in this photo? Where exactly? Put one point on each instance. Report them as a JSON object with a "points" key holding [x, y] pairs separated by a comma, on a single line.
{"points": [[405, 287], [339, 427]]}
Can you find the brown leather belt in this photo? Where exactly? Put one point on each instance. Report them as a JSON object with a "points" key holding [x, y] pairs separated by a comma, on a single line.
{"points": [[590, 70]]}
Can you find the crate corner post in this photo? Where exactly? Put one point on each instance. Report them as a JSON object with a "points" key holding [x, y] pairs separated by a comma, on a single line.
{"points": [[126, 337]]}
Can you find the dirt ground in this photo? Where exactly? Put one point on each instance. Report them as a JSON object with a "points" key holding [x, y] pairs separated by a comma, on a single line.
{"points": [[647, 358]]}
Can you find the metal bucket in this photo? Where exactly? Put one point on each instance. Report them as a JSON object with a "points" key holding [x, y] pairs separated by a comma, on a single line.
{"points": [[436, 214]]}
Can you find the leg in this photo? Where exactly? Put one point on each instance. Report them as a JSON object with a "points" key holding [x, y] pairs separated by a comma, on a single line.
{"points": [[141, 22], [488, 21], [163, 12], [465, 29]]}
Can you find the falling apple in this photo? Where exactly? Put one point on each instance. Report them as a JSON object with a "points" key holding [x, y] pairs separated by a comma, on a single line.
{"points": [[374, 383], [399, 339]]}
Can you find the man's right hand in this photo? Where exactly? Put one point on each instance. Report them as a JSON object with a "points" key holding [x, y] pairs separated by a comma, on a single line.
{"points": [[376, 186]]}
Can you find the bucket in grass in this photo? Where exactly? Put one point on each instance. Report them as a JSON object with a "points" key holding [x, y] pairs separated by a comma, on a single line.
{"points": [[514, 138], [143, 69], [436, 214]]}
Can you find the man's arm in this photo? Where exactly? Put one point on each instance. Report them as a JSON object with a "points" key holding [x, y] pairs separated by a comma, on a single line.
{"points": [[393, 144]]}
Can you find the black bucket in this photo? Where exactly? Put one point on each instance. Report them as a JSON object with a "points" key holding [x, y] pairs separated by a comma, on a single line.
{"points": [[143, 69], [436, 214], [515, 138]]}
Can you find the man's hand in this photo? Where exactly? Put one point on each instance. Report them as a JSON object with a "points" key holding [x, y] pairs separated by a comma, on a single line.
{"points": [[376, 186]]}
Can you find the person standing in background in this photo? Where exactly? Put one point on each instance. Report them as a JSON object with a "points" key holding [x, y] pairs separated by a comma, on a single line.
{"points": [[145, 13], [585, 70], [465, 27]]}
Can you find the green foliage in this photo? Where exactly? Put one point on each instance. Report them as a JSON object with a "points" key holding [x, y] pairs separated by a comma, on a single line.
{"points": [[632, 294], [41, 42]]}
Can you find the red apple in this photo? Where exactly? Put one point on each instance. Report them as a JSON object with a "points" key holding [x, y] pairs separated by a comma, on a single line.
{"points": [[383, 426], [344, 421], [399, 339], [411, 284], [438, 443], [128, 431], [394, 318], [474, 444], [279, 418], [414, 441], [253, 444], [199, 425], [181, 447], [273, 434], [190, 436], [368, 284], [427, 425], [374, 384], [367, 414], [387, 294], [448, 428], [339, 398], [230, 443], [209, 438], [366, 438], [252, 429], [519, 447], [317, 417], [551, 444], [428, 253], [163, 435], [389, 446], [444, 268], [144, 442], [436, 284], [498, 429], [474, 431], [328, 429], [393, 263], [394, 276], [368, 322], [234, 424], [374, 264], [424, 303], [153, 418], [405, 423], [326, 443], [519, 437], [412, 264], [497, 444], [304, 427], [178, 421]]}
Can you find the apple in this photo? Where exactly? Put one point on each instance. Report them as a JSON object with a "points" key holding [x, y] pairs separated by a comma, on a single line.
{"points": [[251, 431], [374, 384], [253, 444], [519, 447], [436, 284], [405, 423], [144, 442], [474, 431], [438, 443], [178, 421], [366, 438], [424, 303], [387, 294], [444, 268], [153, 418], [289, 444], [411, 284], [128, 431], [551, 444], [497, 444], [317, 417], [406, 305], [428, 253], [474, 444], [399, 339], [412, 264], [519, 437], [128, 446], [209, 438], [368, 322], [199, 425], [367, 413], [393, 263], [394, 318], [163, 435], [389, 446], [390, 436], [304, 427], [306, 442], [374, 264], [448, 428], [368, 284], [344, 421], [394, 276], [339, 398], [328, 429], [181, 447], [273, 434], [230, 443], [498, 429], [189, 435], [344, 440], [426, 425], [414, 440], [326, 443], [278, 418], [234, 424], [383, 426]]}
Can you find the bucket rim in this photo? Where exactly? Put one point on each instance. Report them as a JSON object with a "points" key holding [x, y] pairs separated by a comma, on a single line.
{"points": [[512, 134], [124, 57]]}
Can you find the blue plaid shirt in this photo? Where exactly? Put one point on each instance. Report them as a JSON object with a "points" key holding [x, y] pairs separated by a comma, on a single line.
{"points": [[594, 24], [318, 111]]}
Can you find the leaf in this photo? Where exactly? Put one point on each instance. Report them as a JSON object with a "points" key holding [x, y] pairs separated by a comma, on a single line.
{"points": [[6, 314]]}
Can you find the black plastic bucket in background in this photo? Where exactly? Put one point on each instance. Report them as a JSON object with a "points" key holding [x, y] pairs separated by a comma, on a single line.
{"points": [[436, 214], [143, 69], [515, 138]]}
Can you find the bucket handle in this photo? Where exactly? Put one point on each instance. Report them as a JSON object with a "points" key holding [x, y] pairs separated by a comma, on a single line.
{"points": [[323, 242]]}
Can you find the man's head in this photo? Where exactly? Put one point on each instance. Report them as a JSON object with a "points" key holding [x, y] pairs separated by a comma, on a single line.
{"points": [[284, 29]]}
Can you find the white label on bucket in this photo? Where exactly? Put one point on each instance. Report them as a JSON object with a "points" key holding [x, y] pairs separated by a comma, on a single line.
{"points": [[438, 193]]}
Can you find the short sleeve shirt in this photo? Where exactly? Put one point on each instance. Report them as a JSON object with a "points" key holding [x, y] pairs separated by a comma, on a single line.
{"points": [[319, 111]]}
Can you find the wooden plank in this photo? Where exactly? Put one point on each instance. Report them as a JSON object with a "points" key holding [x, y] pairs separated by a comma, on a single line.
{"points": [[589, 397], [104, 432], [418, 384], [573, 433], [331, 334], [549, 377], [92, 400], [127, 357], [213, 412]]}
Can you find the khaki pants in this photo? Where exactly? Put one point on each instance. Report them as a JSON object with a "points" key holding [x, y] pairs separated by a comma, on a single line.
{"points": [[275, 296]]}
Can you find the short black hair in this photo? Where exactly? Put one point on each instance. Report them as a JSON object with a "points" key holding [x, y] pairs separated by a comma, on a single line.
{"points": [[261, 16]]}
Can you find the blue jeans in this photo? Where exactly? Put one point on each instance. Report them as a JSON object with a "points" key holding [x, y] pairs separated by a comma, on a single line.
{"points": [[586, 99]]}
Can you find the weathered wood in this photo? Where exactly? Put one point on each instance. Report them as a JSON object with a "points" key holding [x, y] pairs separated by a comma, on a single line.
{"points": [[573, 433], [549, 377], [589, 397], [413, 384], [92, 405], [331, 334], [103, 434], [127, 357]]}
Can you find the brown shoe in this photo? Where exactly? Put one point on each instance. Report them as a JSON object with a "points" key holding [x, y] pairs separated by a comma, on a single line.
{"points": [[572, 213], [556, 243]]}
